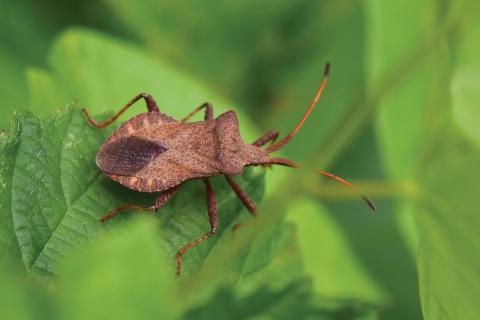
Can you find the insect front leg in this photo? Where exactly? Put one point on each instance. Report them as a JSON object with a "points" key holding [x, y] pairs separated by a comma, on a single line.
{"points": [[208, 112], [213, 218], [151, 106], [159, 202], [267, 137]]}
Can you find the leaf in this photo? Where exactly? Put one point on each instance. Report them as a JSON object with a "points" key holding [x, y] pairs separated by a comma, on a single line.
{"points": [[449, 253], [328, 258], [466, 95], [465, 80], [438, 162], [8, 242], [123, 275], [231, 58], [12, 87], [130, 275], [54, 195], [272, 65], [24, 35], [22, 300], [293, 301], [329, 32], [84, 63], [57, 194], [399, 120], [51, 182]]}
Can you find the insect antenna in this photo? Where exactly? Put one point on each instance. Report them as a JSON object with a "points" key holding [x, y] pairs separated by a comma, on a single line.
{"points": [[292, 164], [274, 147]]}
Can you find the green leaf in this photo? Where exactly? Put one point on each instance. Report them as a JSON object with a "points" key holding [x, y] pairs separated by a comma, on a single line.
{"points": [[328, 258], [12, 87], [273, 64], [23, 300], [129, 274], [104, 73], [123, 275], [426, 149], [235, 58], [294, 301], [56, 195], [399, 120], [52, 196], [377, 237], [8, 241], [465, 79], [328, 32], [449, 253], [465, 96]]}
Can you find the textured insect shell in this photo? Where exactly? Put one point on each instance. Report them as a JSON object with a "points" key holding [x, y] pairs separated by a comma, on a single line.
{"points": [[153, 152]]}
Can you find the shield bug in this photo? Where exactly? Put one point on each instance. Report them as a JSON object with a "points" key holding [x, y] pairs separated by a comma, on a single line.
{"points": [[153, 152]]}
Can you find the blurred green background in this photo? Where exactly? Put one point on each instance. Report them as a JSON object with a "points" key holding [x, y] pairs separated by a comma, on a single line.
{"points": [[399, 118]]}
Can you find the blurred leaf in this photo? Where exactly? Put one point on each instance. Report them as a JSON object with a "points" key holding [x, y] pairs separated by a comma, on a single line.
{"points": [[374, 239], [339, 35], [466, 95], [449, 254], [44, 93], [13, 89], [294, 301], [21, 299], [273, 64], [103, 73], [328, 258], [212, 39], [122, 276], [420, 144], [401, 111], [24, 36], [465, 81]]}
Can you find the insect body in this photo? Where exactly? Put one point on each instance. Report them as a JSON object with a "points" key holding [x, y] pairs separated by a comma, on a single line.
{"points": [[153, 152]]}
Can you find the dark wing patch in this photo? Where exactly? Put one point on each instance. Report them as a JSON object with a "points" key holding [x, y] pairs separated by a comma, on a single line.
{"points": [[127, 156]]}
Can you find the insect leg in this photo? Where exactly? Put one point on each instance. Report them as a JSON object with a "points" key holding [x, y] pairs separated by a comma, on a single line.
{"points": [[159, 202], [112, 213], [213, 218], [243, 196], [267, 137], [151, 106], [208, 112], [165, 197]]}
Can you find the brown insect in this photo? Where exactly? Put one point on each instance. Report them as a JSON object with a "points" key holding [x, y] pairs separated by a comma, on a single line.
{"points": [[153, 152]]}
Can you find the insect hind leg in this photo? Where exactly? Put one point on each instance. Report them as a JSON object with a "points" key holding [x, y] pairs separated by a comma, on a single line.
{"points": [[112, 213], [213, 219], [151, 106], [159, 202]]}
